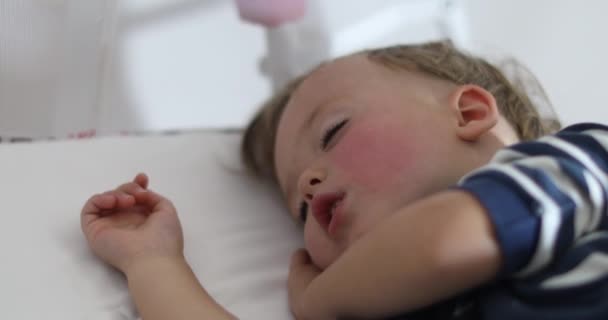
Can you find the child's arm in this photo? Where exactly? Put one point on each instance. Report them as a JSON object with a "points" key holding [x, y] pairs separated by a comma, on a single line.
{"points": [[428, 251], [138, 232], [167, 289]]}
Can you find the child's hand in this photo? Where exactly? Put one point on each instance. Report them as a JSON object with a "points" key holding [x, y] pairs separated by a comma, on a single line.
{"points": [[301, 273], [132, 224]]}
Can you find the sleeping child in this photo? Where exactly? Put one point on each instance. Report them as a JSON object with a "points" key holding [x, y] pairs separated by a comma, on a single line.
{"points": [[428, 187]]}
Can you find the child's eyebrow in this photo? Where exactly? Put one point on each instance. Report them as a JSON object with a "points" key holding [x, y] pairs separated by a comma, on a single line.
{"points": [[311, 118], [319, 108]]}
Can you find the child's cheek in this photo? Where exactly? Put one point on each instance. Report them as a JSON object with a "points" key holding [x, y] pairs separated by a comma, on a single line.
{"points": [[375, 156]]}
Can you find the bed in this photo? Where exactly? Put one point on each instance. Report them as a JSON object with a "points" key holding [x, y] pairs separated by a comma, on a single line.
{"points": [[238, 236]]}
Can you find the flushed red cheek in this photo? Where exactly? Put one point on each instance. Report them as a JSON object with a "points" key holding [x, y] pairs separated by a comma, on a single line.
{"points": [[374, 156]]}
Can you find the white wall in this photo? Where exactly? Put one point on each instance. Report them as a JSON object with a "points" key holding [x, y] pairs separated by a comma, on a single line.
{"points": [[193, 63], [49, 65], [199, 66], [170, 64], [182, 64], [563, 42]]}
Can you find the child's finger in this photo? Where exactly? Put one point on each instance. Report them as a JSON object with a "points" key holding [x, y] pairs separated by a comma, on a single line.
{"points": [[300, 257], [130, 188], [154, 201], [95, 205], [104, 201], [302, 266], [108, 201], [124, 200], [142, 180], [301, 273]]}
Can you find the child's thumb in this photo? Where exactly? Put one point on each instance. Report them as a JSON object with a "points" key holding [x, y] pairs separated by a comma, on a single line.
{"points": [[300, 257]]}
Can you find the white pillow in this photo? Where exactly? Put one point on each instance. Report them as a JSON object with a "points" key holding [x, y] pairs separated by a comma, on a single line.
{"points": [[238, 235]]}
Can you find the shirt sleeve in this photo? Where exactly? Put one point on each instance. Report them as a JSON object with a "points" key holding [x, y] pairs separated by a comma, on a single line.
{"points": [[544, 197], [547, 202]]}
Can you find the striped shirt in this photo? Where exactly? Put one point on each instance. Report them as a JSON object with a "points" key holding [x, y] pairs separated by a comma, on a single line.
{"points": [[547, 202]]}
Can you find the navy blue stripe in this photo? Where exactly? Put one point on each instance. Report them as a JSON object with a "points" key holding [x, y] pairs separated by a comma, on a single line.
{"points": [[566, 205], [511, 210], [580, 127], [590, 146], [537, 148], [573, 170], [603, 225], [568, 162], [577, 293], [599, 155], [566, 263], [505, 303]]}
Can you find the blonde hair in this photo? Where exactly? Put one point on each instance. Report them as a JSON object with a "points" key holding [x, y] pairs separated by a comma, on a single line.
{"points": [[439, 59]]}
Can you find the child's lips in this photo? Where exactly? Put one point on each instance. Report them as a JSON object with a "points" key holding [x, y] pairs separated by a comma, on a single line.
{"points": [[337, 217], [327, 209]]}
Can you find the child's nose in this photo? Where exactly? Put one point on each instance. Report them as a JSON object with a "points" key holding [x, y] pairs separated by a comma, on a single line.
{"points": [[309, 180]]}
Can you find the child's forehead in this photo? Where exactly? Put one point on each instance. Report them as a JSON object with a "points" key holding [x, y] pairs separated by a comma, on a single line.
{"points": [[348, 71], [335, 77], [358, 75], [350, 64]]}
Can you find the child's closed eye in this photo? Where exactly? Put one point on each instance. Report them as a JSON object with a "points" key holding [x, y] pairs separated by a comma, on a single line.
{"points": [[331, 132]]}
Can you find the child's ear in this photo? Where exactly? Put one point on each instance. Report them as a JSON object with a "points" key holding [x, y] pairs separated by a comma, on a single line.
{"points": [[475, 110]]}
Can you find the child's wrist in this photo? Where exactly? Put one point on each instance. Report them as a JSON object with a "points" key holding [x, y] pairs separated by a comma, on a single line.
{"points": [[142, 267]]}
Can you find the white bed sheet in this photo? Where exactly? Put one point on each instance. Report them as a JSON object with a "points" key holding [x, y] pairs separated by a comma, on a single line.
{"points": [[237, 233]]}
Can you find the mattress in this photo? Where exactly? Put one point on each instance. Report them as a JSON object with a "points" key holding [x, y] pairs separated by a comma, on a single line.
{"points": [[238, 236]]}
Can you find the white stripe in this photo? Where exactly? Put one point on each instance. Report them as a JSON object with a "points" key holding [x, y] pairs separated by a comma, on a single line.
{"points": [[595, 205], [598, 135], [550, 220], [579, 155], [590, 237], [589, 164], [592, 268], [595, 190], [596, 197], [507, 156], [550, 166]]}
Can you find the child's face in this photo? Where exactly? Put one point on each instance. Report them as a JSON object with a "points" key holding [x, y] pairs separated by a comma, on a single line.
{"points": [[366, 141]]}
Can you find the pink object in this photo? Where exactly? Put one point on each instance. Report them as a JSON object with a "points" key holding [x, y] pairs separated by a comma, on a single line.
{"points": [[271, 13]]}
